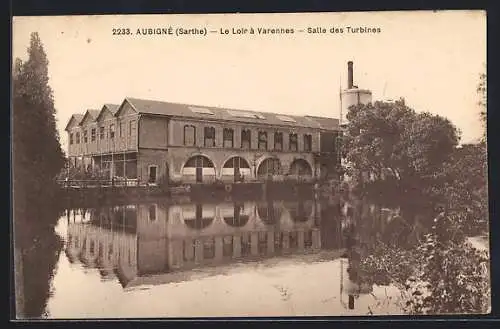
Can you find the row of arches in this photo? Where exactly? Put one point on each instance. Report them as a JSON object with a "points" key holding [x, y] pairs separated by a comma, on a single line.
{"points": [[200, 166]]}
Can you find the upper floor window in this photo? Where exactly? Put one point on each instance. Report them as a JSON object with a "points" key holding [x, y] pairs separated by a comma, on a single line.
{"points": [[228, 137], [85, 137], [307, 143], [122, 129], [112, 131], [246, 139], [293, 142], [78, 138], [70, 138], [278, 141], [92, 135], [262, 140], [189, 135], [101, 132], [209, 133], [131, 130]]}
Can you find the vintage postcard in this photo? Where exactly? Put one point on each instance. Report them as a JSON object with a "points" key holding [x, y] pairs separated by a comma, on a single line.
{"points": [[262, 165]]}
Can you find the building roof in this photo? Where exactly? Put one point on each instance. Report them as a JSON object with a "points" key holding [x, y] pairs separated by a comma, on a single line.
{"points": [[325, 123], [74, 118], [154, 107], [227, 114], [112, 107], [92, 113]]}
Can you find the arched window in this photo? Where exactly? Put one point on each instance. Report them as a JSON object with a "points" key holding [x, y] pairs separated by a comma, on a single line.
{"points": [[236, 162], [198, 168], [270, 166], [300, 167], [199, 161]]}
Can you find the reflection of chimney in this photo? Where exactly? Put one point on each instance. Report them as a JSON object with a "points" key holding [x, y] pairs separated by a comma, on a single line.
{"points": [[349, 75]]}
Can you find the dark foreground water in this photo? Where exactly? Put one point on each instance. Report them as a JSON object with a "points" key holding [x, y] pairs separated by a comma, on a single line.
{"points": [[226, 258]]}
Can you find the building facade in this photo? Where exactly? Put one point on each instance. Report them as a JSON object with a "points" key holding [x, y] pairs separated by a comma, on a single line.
{"points": [[152, 141]]}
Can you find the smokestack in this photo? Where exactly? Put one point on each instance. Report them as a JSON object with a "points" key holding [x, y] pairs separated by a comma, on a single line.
{"points": [[349, 75]]}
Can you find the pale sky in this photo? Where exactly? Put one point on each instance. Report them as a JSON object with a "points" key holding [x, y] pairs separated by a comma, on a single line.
{"points": [[433, 59]]}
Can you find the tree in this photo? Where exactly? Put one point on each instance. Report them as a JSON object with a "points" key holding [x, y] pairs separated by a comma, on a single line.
{"points": [[390, 146], [37, 159], [481, 90], [37, 154], [443, 274], [465, 187]]}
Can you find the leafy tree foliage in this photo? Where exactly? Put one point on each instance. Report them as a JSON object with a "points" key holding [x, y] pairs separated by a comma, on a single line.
{"points": [[443, 274], [481, 90], [391, 143], [37, 154], [464, 187]]}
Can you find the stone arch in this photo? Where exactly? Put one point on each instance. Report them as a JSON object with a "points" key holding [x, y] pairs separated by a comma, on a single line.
{"points": [[269, 166], [235, 168], [198, 168], [300, 168]]}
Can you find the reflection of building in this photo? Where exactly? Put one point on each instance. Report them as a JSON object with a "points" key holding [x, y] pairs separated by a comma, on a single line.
{"points": [[146, 239], [149, 140]]}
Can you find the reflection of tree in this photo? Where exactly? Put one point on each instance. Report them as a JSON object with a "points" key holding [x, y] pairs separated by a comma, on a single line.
{"points": [[40, 247]]}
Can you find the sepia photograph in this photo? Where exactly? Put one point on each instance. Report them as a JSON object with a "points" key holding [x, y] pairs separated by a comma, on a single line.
{"points": [[250, 165]]}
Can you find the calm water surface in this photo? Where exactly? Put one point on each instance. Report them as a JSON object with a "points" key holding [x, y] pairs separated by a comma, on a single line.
{"points": [[248, 258]]}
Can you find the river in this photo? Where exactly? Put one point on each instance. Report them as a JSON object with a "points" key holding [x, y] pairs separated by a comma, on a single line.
{"points": [[156, 258]]}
